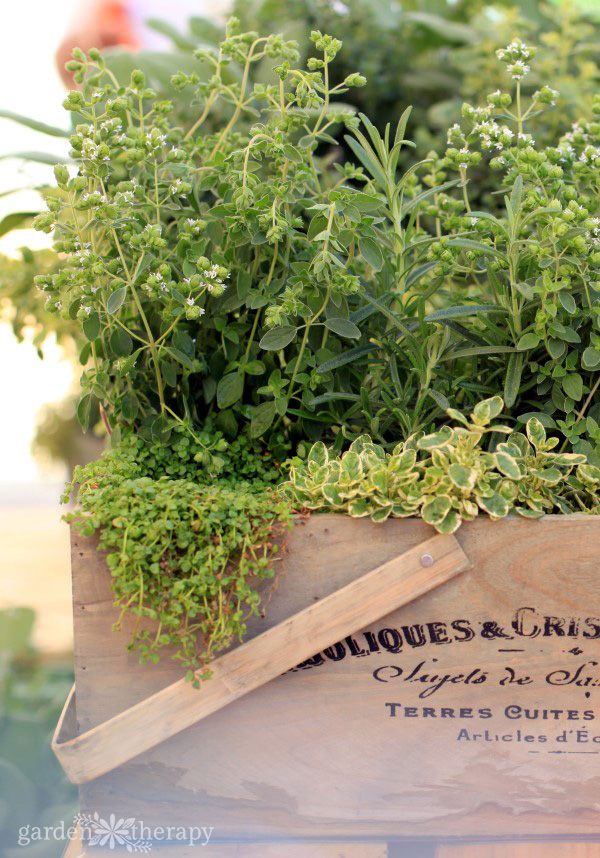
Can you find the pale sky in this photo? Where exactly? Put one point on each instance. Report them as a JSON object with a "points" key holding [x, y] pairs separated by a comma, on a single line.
{"points": [[30, 31]]}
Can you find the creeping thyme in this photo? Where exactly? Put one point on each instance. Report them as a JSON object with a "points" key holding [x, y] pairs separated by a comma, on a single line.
{"points": [[187, 554]]}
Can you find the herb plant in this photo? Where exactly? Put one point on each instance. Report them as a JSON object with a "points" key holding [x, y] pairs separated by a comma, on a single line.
{"points": [[532, 269], [213, 273], [187, 555], [244, 290], [449, 476]]}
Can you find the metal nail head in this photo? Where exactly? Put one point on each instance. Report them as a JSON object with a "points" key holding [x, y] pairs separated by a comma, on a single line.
{"points": [[426, 560]]}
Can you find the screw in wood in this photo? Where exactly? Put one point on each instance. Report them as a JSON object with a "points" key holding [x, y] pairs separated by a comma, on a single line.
{"points": [[426, 560]]}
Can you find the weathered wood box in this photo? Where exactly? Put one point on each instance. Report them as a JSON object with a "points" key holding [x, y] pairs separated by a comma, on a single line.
{"points": [[473, 711]]}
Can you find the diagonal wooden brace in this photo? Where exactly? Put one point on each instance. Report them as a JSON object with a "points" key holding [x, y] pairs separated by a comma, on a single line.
{"points": [[178, 706]]}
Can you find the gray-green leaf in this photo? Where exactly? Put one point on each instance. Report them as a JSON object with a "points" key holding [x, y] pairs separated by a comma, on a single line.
{"points": [[278, 338], [115, 301], [343, 328]]}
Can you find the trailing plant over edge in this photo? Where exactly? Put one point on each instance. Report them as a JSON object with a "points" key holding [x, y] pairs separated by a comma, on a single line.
{"points": [[187, 553]]}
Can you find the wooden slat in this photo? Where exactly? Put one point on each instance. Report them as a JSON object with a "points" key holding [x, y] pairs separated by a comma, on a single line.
{"points": [[520, 850], [75, 848], [260, 660], [283, 850]]}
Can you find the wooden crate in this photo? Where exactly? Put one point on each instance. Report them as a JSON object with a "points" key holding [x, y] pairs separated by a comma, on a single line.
{"points": [[363, 741]]}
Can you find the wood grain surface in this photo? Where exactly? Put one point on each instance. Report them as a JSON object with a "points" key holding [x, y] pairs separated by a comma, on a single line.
{"points": [[265, 657], [519, 850], [383, 735]]}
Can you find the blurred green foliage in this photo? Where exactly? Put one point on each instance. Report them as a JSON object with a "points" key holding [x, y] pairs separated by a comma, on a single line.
{"points": [[33, 789], [22, 305], [431, 54]]}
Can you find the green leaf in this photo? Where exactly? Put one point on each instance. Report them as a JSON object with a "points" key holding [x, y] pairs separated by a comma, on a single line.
{"points": [[489, 217], [278, 338], [568, 302], [16, 220], [466, 310], [39, 157], [450, 523], [84, 410], [262, 417], [572, 385], [512, 380], [440, 400], [436, 509], [590, 358], [348, 356], [91, 326], [371, 252], [130, 406], [477, 246], [452, 31], [381, 514], [343, 328], [115, 301], [401, 127], [254, 367], [331, 493], [435, 439], [487, 410], [368, 159], [230, 389], [130, 362], [168, 372], [358, 508], [516, 195], [508, 466], [292, 154], [181, 357], [318, 454], [549, 475], [474, 351], [556, 348], [462, 477], [535, 432], [34, 124], [120, 342], [496, 505], [333, 397], [179, 39], [544, 419], [528, 341], [351, 466]]}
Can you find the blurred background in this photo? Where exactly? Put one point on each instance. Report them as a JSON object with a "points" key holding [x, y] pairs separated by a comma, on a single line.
{"points": [[433, 54]]}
